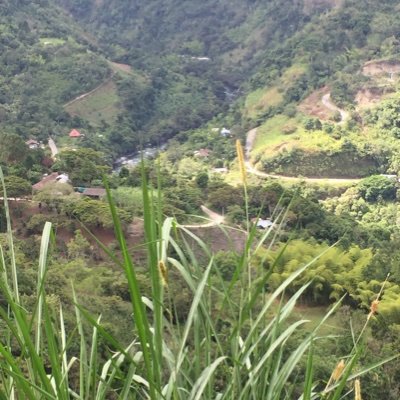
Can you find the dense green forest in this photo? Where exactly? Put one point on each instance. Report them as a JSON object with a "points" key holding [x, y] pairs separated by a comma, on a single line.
{"points": [[271, 203]]}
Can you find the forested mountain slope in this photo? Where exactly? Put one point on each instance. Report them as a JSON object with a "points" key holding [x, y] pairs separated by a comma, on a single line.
{"points": [[200, 57], [189, 61], [44, 62]]}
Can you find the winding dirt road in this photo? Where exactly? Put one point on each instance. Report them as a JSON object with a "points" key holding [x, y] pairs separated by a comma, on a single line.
{"points": [[326, 101]]}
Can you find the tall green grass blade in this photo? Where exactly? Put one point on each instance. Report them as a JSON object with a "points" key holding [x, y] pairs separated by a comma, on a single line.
{"points": [[152, 239], [140, 318], [308, 385], [82, 348], [54, 356], [14, 273], [41, 274], [203, 380], [91, 382], [192, 314], [17, 374]]}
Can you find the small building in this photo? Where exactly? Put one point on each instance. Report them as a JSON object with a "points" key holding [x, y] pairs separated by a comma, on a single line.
{"points": [[222, 170], [226, 132], [263, 223], [49, 179], [75, 134], [63, 178], [202, 153], [32, 144], [95, 193], [46, 180]]}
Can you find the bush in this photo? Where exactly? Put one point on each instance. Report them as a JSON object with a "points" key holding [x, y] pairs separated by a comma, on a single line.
{"points": [[377, 187]]}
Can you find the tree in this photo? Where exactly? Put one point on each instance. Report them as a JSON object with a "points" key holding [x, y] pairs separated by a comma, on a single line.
{"points": [[377, 186], [12, 149], [83, 165], [16, 187], [93, 212], [54, 195], [129, 199], [78, 247], [202, 180]]}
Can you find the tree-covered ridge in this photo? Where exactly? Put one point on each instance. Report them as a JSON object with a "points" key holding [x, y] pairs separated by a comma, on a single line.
{"points": [[44, 63], [192, 61]]}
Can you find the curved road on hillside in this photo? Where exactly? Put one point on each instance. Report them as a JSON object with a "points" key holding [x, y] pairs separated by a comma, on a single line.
{"points": [[251, 137], [326, 101], [123, 67], [84, 95]]}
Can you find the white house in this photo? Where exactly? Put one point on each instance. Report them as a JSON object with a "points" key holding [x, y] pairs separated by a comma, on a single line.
{"points": [[63, 178], [263, 223], [225, 132]]}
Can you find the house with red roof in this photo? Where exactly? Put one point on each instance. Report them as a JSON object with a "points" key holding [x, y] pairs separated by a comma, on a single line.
{"points": [[32, 144], [75, 133], [203, 153]]}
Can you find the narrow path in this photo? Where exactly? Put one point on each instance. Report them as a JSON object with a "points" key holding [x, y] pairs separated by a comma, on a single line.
{"points": [[216, 219], [84, 95], [122, 67], [251, 136], [53, 148], [326, 101]]}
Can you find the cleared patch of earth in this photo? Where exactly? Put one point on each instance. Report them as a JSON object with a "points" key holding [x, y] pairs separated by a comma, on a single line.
{"points": [[121, 67], [369, 97], [313, 105], [220, 239], [374, 68]]}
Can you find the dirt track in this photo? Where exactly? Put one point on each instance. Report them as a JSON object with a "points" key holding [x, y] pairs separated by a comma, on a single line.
{"points": [[326, 101]]}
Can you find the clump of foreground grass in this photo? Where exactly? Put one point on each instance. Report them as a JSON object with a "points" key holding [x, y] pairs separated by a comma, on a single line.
{"points": [[165, 360]]}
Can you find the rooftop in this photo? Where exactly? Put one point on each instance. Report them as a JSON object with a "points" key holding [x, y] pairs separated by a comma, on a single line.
{"points": [[75, 133], [94, 192]]}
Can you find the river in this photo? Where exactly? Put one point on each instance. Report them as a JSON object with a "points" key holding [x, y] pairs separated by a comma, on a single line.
{"points": [[133, 159]]}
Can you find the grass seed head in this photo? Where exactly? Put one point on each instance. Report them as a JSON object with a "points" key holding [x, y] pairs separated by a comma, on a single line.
{"points": [[163, 272], [357, 390], [242, 166], [373, 309], [338, 371]]}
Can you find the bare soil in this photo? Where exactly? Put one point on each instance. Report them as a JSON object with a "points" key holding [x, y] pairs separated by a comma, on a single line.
{"points": [[123, 67], [313, 106], [369, 97], [374, 68], [21, 212], [221, 239]]}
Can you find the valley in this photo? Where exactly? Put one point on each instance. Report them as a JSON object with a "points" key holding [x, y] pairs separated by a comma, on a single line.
{"points": [[199, 199]]}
